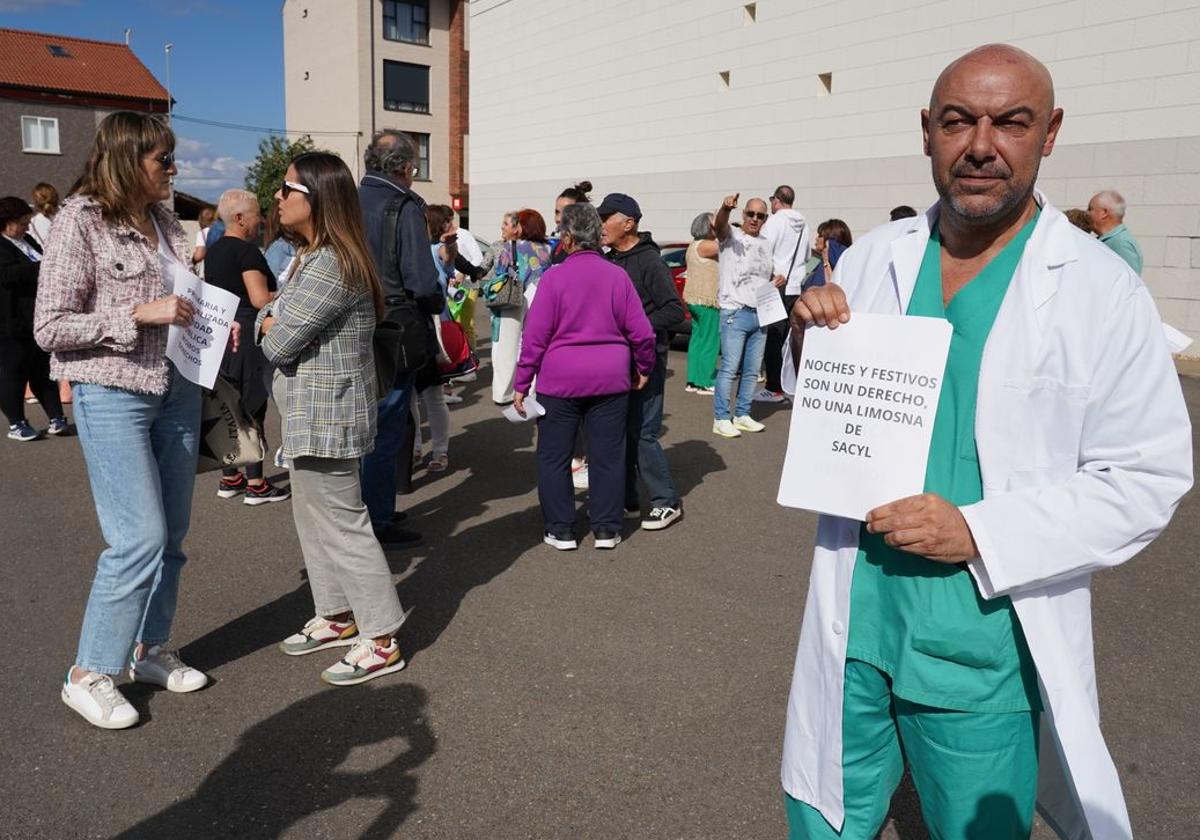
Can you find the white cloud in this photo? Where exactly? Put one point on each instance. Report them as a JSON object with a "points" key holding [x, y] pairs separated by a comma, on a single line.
{"points": [[204, 174]]}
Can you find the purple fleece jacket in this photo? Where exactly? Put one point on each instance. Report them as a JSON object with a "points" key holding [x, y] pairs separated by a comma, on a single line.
{"points": [[585, 331]]}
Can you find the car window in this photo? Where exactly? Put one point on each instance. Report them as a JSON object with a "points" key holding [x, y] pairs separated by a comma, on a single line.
{"points": [[675, 259]]}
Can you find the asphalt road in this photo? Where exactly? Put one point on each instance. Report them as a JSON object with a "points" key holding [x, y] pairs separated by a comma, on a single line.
{"points": [[638, 693]]}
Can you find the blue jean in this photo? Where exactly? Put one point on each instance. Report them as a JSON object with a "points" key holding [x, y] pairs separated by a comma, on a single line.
{"points": [[644, 455], [391, 441], [140, 451], [742, 344]]}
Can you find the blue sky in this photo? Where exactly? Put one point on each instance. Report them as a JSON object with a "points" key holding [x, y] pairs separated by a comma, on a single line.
{"points": [[226, 65]]}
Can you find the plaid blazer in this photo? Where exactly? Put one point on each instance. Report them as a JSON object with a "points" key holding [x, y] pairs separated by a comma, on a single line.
{"points": [[321, 344]]}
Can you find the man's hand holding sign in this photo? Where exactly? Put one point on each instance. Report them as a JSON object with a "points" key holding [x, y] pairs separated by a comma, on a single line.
{"points": [[924, 524]]}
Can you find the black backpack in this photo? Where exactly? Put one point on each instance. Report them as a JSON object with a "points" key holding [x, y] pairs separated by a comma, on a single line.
{"points": [[402, 333]]}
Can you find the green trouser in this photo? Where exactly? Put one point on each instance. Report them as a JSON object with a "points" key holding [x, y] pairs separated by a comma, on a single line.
{"points": [[976, 773], [704, 345]]}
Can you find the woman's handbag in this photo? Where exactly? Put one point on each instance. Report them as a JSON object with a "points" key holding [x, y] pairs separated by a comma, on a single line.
{"points": [[228, 437], [504, 292]]}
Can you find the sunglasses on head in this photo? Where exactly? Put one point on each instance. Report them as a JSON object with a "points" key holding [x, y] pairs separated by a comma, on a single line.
{"points": [[289, 186], [754, 214]]}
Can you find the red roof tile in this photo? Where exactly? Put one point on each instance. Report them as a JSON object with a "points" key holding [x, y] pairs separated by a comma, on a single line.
{"points": [[98, 68]]}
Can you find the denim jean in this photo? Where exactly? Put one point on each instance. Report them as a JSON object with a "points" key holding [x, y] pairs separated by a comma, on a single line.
{"points": [[379, 473], [140, 451], [742, 344], [644, 455]]}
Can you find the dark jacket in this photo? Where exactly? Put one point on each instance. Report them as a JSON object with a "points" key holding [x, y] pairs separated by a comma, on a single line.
{"points": [[417, 271], [18, 289], [652, 279]]}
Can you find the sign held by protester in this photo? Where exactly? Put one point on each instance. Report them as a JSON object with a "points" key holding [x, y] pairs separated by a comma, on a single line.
{"points": [[769, 305], [866, 397], [197, 349]]}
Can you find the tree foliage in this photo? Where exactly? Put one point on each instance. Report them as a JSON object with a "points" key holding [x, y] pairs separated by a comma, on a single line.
{"points": [[265, 175]]}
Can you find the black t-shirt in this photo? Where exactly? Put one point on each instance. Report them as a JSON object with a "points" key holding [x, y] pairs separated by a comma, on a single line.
{"points": [[224, 262]]}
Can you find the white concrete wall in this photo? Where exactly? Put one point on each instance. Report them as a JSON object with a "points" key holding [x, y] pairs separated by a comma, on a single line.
{"points": [[635, 104]]}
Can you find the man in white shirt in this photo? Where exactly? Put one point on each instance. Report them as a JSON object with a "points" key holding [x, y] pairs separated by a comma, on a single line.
{"points": [[745, 266], [789, 236]]}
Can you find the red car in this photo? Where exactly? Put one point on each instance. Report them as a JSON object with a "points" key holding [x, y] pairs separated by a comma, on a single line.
{"points": [[674, 254]]}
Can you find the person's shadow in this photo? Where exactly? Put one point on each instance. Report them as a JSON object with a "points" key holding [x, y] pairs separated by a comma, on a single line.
{"points": [[290, 767]]}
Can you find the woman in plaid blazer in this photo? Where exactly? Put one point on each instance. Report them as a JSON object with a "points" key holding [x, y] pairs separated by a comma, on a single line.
{"points": [[318, 334]]}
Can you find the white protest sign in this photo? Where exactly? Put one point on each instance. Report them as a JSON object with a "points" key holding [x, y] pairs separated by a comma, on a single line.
{"points": [[862, 419], [1177, 341], [533, 410], [768, 305], [197, 348]]}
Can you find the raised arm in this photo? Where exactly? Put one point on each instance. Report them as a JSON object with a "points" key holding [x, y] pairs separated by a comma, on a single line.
{"points": [[721, 217]]}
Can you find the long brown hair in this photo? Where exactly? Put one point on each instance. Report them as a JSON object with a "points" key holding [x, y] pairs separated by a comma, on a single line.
{"points": [[337, 220], [114, 176], [437, 216]]}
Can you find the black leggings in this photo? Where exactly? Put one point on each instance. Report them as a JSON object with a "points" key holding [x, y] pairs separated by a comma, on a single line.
{"points": [[21, 361]]}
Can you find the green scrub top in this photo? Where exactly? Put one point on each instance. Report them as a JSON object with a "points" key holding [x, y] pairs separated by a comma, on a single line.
{"points": [[924, 623]]}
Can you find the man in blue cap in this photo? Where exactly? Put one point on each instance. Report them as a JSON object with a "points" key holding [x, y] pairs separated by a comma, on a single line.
{"points": [[637, 253]]}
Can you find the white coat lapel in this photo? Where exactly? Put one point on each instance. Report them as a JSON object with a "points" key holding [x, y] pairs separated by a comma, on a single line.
{"points": [[908, 250]]}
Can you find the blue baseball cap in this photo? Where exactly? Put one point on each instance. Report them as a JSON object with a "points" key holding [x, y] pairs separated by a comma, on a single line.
{"points": [[619, 203]]}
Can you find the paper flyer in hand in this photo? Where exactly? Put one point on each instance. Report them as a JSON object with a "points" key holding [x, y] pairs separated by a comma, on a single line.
{"points": [[862, 419], [197, 349]]}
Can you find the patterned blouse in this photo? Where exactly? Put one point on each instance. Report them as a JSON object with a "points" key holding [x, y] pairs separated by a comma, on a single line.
{"points": [[532, 259]]}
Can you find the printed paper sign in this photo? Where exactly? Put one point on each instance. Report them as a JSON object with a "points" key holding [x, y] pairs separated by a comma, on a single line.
{"points": [[862, 418], [533, 410], [197, 348], [769, 305]]}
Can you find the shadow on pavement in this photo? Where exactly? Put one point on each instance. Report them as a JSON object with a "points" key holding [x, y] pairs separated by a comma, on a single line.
{"points": [[299, 762]]}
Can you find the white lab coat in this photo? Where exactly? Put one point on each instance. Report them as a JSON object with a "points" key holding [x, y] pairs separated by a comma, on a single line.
{"points": [[1085, 448]]}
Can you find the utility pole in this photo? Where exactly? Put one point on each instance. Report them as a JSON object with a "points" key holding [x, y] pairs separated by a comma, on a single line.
{"points": [[167, 50]]}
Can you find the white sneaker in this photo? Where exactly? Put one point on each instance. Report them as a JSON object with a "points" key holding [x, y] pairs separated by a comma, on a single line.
{"points": [[607, 539], [725, 429], [766, 395], [467, 377], [579, 477], [163, 667], [746, 423], [661, 517], [98, 701], [562, 542]]}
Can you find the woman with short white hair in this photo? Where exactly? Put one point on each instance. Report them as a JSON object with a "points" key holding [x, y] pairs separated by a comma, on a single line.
{"points": [[234, 263]]}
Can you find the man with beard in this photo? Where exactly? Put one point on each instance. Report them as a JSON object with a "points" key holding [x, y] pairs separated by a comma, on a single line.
{"points": [[952, 630]]}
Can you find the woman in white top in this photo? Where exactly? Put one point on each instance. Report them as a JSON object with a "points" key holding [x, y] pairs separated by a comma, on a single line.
{"points": [[45, 204], [207, 216]]}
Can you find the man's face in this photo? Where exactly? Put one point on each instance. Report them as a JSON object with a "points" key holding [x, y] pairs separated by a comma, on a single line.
{"points": [[989, 124], [775, 205], [614, 227], [753, 216], [1098, 214]]}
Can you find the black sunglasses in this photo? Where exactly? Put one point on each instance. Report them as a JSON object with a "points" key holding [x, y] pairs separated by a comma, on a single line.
{"points": [[291, 186], [751, 214], [167, 160]]}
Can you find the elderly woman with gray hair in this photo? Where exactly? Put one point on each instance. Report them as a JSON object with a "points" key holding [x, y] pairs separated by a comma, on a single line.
{"points": [[586, 337], [700, 296]]}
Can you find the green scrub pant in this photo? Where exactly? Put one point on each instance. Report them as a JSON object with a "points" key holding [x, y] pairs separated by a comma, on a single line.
{"points": [[976, 773], [704, 345]]}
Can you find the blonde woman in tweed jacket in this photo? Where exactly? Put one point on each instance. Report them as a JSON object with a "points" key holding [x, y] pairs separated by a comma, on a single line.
{"points": [[318, 335], [103, 309]]}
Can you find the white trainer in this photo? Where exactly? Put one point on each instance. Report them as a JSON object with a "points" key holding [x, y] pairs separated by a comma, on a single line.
{"points": [[766, 395], [746, 423], [99, 702], [725, 429], [164, 668]]}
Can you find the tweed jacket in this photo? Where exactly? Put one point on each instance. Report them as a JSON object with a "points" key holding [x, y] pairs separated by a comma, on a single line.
{"points": [[321, 344], [93, 274]]}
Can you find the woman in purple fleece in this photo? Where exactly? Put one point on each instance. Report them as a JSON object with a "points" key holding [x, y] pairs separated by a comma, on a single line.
{"points": [[586, 338]]}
